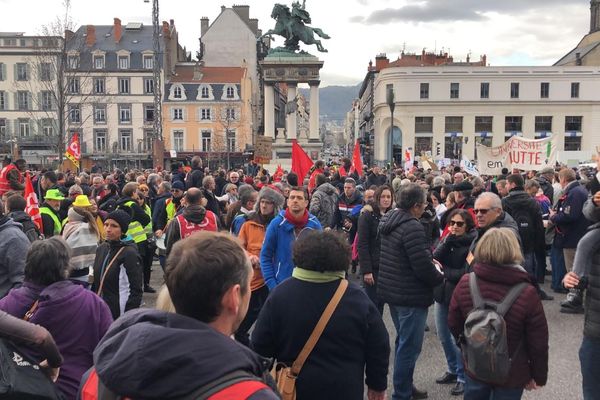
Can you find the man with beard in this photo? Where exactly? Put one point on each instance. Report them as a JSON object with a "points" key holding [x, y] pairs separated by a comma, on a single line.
{"points": [[252, 235]]}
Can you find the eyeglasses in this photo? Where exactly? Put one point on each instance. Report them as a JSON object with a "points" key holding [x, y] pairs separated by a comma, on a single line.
{"points": [[144, 190], [481, 211], [459, 224]]}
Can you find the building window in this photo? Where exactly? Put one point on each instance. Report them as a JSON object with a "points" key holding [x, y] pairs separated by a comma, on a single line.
{"points": [[513, 124], [2, 100], [148, 85], [453, 147], [2, 71], [100, 139], [124, 113], [423, 124], [231, 140], [574, 90], [483, 124], [204, 92], [73, 62], [484, 141], [123, 85], [484, 90], [99, 62], [545, 90], [230, 114], [2, 128], [148, 62], [572, 143], [74, 113], [47, 127], [46, 103], [573, 124], [230, 92], [24, 128], [514, 90], [125, 139], [178, 140], [123, 62], [423, 144], [205, 114], [454, 124], [206, 139], [73, 85], [100, 114], [177, 92], [23, 102], [543, 124], [178, 114], [454, 90], [99, 85], [45, 72], [22, 74], [147, 142], [148, 112], [424, 90]]}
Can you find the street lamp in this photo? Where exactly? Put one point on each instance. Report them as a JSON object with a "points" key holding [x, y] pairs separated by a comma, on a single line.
{"points": [[390, 102], [156, 69]]}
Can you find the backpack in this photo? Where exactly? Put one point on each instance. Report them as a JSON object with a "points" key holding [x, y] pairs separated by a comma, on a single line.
{"points": [[31, 231], [483, 342], [522, 216]]}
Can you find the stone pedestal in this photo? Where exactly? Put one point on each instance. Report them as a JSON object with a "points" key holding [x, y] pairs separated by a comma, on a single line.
{"points": [[292, 69]]}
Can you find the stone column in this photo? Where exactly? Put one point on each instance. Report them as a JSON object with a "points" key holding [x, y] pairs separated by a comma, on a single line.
{"points": [[290, 119], [269, 111], [314, 111]]}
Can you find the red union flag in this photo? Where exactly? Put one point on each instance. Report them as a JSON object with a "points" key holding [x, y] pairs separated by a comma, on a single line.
{"points": [[73, 152], [32, 207]]}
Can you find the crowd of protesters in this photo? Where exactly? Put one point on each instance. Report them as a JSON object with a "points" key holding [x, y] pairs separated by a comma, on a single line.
{"points": [[256, 269]]}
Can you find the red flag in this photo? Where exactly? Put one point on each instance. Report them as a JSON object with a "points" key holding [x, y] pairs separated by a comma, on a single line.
{"points": [[356, 160], [73, 152], [32, 207], [301, 162]]}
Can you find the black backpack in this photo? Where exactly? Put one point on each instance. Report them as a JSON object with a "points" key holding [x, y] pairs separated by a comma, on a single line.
{"points": [[483, 342], [522, 216], [31, 231]]}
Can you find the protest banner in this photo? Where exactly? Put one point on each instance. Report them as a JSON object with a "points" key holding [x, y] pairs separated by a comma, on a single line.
{"points": [[517, 152], [469, 167]]}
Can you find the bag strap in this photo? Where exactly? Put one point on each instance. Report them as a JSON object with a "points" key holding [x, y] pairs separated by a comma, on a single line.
{"points": [[316, 333], [478, 302], [512, 296], [99, 293], [31, 310]]}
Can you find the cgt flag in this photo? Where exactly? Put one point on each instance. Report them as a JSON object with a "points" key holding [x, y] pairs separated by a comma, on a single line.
{"points": [[32, 208], [357, 164], [301, 162], [73, 152]]}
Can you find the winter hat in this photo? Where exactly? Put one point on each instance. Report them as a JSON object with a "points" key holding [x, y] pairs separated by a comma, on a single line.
{"points": [[178, 185], [463, 186], [122, 218], [271, 195]]}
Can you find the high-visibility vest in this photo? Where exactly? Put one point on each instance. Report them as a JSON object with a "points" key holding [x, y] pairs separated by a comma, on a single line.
{"points": [[171, 209], [57, 224], [136, 231], [4, 184], [148, 228]]}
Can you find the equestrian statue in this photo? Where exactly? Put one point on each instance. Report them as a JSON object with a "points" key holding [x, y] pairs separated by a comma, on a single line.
{"points": [[291, 25]]}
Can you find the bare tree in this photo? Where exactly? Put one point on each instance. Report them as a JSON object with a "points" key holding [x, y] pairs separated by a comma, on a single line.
{"points": [[231, 118]]}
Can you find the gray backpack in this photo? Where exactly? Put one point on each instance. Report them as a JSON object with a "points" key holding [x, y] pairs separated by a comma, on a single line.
{"points": [[483, 343]]}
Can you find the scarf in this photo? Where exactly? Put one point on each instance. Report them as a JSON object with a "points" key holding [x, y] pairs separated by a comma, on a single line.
{"points": [[316, 276], [298, 223]]}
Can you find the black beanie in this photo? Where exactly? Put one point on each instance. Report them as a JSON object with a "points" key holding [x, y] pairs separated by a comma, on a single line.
{"points": [[122, 218]]}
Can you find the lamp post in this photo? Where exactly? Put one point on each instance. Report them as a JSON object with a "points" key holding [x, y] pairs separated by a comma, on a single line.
{"points": [[392, 105], [156, 69]]}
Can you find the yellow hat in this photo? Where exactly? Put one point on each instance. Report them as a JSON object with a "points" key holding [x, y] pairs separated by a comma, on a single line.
{"points": [[82, 201]]}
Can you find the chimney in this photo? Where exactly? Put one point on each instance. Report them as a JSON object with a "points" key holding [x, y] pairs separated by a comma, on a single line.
{"points": [[90, 38], [468, 58], [117, 30], [381, 62], [484, 59], [172, 23], [197, 72], [253, 24], [69, 35], [203, 25], [166, 30], [223, 8], [243, 11], [578, 59], [370, 65]]}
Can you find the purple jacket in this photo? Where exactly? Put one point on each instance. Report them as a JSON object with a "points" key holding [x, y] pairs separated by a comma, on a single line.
{"points": [[76, 318]]}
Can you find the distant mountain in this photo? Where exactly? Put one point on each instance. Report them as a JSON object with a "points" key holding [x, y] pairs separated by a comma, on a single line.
{"points": [[334, 101]]}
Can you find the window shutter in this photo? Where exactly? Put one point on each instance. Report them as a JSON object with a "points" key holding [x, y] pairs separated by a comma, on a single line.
{"points": [[2, 71], [27, 71], [16, 100], [40, 100], [29, 101]]}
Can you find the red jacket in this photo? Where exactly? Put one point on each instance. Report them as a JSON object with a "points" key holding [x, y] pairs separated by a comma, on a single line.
{"points": [[525, 321]]}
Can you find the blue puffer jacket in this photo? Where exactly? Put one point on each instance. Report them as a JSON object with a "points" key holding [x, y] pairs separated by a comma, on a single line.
{"points": [[276, 254]]}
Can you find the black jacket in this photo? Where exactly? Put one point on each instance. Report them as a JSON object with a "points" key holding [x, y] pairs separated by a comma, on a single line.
{"points": [[109, 202], [591, 327], [354, 338], [212, 203], [518, 201], [194, 178], [124, 276], [151, 354], [137, 213], [369, 241], [159, 212], [546, 186], [452, 253], [375, 180], [407, 275]]}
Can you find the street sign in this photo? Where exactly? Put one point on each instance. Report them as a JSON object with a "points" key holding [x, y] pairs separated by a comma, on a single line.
{"points": [[263, 149]]}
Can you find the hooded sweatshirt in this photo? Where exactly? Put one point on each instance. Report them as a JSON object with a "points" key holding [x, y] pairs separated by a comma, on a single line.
{"points": [[153, 354], [323, 204]]}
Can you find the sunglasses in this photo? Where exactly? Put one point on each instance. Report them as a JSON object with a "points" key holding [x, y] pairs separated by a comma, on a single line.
{"points": [[481, 211], [459, 224]]}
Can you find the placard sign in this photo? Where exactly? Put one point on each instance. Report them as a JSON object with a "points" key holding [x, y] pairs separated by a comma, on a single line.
{"points": [[263, 149], [517, 152]]}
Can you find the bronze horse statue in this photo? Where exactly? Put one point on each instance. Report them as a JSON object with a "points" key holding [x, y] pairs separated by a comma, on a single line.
{"points": [[291, 25]]}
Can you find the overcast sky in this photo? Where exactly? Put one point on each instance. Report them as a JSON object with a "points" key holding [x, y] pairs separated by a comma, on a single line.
{"points": [[510, 32]]}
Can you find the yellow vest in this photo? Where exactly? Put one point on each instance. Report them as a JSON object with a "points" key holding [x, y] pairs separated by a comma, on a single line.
{"points": [[148, 228], [171, 209], [136, 231], [57, 225]]}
